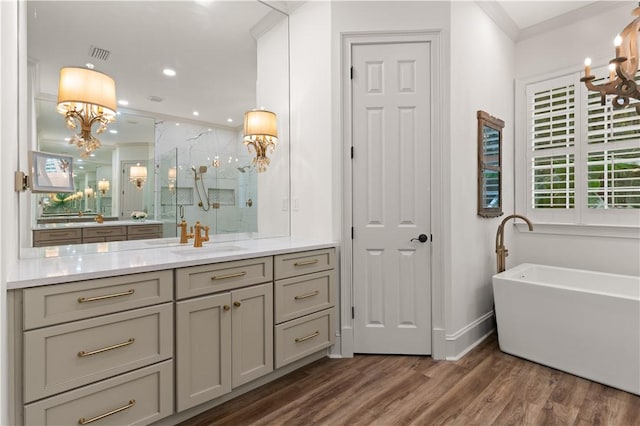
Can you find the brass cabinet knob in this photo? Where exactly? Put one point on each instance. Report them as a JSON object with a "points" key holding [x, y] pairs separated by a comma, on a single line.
{"points": [[226, 307], [237, 304]]}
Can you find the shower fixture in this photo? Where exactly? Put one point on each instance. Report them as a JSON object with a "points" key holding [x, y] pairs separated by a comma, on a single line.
{"points": [[244, 169], [202, 169]]}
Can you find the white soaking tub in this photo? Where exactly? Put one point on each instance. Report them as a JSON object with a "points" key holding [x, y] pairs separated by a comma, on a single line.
{"points": [[582, 322]]}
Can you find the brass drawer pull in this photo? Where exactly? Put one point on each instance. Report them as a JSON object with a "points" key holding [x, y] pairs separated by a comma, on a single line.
{"points": [[223, 277], [311, 336], [83, 421], [306, 262], [107, 296], [304, 296], [83, 354]]}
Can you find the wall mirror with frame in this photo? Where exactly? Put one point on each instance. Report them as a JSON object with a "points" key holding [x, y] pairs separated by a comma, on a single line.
{"points": [[489, 165], [229, 57]]}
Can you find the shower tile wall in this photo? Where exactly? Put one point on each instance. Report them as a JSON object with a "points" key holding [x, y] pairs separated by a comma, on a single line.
{"points": [[229, 182]]}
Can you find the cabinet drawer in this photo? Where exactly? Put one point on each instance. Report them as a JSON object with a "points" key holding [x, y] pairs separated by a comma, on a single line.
{"points": [[55, 304], [151, 229], [66, 356], [293, 264], [57, 234], [199, 280], [303, 336], [107, 231], [140, 398], [47, 243], [299, 296]]}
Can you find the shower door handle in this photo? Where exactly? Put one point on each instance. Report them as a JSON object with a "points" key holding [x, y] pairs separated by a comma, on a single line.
{"points": [[422, 238]]}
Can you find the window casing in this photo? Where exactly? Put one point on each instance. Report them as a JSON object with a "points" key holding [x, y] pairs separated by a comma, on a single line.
{"points": [[581, 160]]}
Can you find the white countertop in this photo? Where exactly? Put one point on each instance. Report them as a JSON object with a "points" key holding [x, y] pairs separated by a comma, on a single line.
{"points": [[59, 264], [67, 225]]}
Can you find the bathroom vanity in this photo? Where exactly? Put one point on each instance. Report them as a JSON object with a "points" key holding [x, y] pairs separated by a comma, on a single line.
{"points": [[73, 232], [135, 336]]}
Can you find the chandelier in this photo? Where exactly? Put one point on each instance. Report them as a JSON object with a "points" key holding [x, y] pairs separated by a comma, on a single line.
{"points": [[622, 68], [86, 97], [261, 133]]}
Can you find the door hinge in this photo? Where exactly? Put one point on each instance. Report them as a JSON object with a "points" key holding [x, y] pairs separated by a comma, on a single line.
{"points": [[352, 232], [353, 312], [352, 152], [351, 73], [431, 237]]}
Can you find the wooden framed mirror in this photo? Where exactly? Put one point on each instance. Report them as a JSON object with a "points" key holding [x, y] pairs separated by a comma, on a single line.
{"points": [[489, 165]]}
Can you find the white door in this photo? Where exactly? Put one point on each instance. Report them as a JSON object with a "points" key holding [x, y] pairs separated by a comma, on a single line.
{"points": [[391, 198], [132, 196]]}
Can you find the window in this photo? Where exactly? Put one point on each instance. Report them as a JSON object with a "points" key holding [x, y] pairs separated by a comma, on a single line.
{"points": [[582, 159]]}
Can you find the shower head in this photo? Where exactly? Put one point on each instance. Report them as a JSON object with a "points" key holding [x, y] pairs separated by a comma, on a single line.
{"points": [[244, 169]]}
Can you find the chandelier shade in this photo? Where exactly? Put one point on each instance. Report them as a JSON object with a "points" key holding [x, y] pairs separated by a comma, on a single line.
{"points": [[86, 97], [261, 133]]}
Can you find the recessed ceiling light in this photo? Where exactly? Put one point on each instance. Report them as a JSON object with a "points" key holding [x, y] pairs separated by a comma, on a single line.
{"points": [[123, 102], [230, 120], [79, 160], [81, 167], [90, 65], [113, 131], [177, 124], [92, 155], [67, 139], [169, 72], [196, 113]]}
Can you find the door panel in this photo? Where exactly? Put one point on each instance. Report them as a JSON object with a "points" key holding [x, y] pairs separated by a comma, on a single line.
{"points": [[391, 194]]}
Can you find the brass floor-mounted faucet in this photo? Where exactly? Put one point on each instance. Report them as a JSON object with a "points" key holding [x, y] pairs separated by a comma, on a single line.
{"points": [[501, 251], [198, 238], [184, 237]]}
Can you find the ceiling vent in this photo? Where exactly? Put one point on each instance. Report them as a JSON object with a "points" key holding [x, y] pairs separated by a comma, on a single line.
{"points": [[154, 98], [99, 53]]}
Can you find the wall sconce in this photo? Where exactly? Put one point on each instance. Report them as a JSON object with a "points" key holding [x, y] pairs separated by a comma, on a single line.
{"points": [[138, 175], [86, 97], [622, 68], [172, 174], [260, 132], [103, 186], [88, 192]]}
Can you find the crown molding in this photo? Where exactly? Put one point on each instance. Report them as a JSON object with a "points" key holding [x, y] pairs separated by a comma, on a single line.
{"points": [[500, 17]]}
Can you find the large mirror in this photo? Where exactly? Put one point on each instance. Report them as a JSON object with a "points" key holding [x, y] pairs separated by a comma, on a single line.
{"points": [[489, 165], [181, 133]]}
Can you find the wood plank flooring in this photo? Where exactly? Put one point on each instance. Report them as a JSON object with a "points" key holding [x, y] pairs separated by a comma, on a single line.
{"points": [[486, 387]]}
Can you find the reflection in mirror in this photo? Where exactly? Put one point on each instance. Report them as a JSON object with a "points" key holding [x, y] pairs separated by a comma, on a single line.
{"points": [[489, 165], [186, 129], [51, 172]]}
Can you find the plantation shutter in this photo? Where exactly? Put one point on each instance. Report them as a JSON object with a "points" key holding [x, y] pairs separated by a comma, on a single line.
{"points": [[612, 154], [551, 153]]}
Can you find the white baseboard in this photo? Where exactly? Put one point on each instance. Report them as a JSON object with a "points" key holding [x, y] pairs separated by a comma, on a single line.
{"points": [[467, 338]]}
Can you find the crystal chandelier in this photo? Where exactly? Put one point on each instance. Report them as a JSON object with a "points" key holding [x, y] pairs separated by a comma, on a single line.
{"points": [[86, 97], [622, 68], [261, 133]]}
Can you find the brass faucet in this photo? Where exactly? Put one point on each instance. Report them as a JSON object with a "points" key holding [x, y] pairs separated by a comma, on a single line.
{"points": [[99, 218], [197, 236], [184, 237], [501, 251]]}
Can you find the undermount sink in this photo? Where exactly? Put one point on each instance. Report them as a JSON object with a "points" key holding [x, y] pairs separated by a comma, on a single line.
{"points": [[207, 248]]}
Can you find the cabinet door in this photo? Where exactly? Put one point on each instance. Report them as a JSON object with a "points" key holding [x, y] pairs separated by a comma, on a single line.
{"points": [[203, 349], [252, 333]]}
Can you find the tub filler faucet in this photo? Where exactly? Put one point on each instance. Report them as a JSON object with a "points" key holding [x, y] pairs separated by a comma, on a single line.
{"points": [[501, 251]]}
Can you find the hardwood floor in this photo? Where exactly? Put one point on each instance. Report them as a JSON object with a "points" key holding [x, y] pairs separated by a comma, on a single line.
{"points": [[486, 387]]}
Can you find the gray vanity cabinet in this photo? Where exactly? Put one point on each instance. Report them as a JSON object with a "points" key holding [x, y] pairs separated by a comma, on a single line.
{"points": [[224, 339]]}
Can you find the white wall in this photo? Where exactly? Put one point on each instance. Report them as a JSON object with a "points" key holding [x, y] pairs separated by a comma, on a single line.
{"points": [[312, 142], [272, 93], [482, 72], [559, 51], [9, 243]]}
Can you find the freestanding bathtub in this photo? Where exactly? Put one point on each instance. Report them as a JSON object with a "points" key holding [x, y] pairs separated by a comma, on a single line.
{"points": [[582, 322]]}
